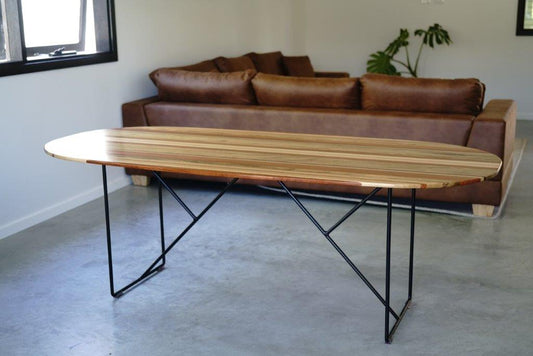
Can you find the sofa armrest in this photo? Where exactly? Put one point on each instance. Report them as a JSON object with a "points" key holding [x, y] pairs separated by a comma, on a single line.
{"points": [[332, 74], [494, 131], [133, 112]]}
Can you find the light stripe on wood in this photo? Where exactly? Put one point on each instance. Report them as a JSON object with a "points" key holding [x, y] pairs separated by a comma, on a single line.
{"points": [[320, 159]]}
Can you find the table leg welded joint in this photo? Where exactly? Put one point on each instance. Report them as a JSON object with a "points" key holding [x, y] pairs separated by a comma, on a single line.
{"points": [[158, 264]]}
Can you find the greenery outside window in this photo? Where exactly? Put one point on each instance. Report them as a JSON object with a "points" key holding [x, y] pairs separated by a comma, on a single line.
{"points": [[37, 35]]}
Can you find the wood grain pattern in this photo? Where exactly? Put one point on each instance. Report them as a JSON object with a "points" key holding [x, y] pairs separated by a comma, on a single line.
{"points": [[288, 157]]}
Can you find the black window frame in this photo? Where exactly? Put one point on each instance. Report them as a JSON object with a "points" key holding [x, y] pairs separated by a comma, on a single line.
{"points": [[521, 30], [106, 37]]}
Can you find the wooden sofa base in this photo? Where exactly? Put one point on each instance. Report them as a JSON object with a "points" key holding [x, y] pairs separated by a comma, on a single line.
{"points": [[482, 210], [140, 180]]}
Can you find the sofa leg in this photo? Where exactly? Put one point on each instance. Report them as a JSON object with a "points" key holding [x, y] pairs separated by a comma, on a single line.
{"points": [[482, 210], [140, 180]]}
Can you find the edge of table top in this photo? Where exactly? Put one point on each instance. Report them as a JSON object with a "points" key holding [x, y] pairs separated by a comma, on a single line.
{"points": [[274, 156]]}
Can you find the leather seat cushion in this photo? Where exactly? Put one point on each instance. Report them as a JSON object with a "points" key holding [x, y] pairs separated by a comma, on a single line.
{"points": [[451, 128]]}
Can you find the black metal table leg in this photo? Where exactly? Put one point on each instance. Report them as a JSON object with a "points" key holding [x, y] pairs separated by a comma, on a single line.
{"points": [[387, 265], [412, 242], [149, 272], [159, 262], [389, 332], [407, 305], [108, 232], [161, 221]]}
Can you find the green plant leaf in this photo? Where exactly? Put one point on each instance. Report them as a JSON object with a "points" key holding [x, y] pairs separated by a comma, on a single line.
{"points": [[400, 41], [434, 35], [380, 62]]}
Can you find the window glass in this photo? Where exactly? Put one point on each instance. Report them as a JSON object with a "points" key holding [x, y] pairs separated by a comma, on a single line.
{"points": [[3, 32], [51, 22], [528, 18]]}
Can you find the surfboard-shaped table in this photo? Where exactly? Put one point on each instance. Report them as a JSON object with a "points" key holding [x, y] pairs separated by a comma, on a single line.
{"points": [[281, 158]]}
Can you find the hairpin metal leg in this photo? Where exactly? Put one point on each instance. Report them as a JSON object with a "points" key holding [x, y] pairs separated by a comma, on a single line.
{"points": [[385, 301], [159, 262], [407, 305], [161, 221], [412, 242], [387, 266], [154, 269]]}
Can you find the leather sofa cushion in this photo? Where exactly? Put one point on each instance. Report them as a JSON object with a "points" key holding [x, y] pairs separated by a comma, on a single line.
{"points": [[205, 66], [333, 93], [270, 63], [205, 87], [451, 96], [298, 66], [235, 64], [451, 128]]}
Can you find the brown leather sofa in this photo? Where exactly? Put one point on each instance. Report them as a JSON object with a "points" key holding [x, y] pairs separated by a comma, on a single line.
{"points": [[271, 92]]}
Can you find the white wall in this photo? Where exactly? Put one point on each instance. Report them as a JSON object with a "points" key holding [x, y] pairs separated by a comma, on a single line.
{"points": [[36, 108], [337, 34], [341, 34]]}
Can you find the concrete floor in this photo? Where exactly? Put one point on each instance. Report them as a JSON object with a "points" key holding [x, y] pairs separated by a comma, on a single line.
{"points": [[256, 278]]}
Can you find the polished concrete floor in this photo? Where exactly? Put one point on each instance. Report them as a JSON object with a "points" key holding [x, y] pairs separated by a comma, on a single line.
{"points": [[256, 278]]}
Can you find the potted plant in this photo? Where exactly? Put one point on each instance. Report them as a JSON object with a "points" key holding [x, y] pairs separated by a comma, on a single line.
{"points": [[384, 61]]}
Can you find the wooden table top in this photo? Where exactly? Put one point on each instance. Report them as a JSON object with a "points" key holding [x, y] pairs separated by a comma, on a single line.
{"points": [[289, 157]]}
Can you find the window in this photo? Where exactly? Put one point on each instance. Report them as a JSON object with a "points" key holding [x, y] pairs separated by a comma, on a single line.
{"points": [[38, 35], [524, 22]]}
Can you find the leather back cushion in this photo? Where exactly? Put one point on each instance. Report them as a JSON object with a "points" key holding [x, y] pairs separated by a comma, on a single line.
{"points": [[270, 63], [451, 96], [277, 90], [205, 66], [205, 87], [235, 64], [298, 66]]}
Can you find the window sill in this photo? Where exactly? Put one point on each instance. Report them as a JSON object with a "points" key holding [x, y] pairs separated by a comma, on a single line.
{"points": [[45, 62]]}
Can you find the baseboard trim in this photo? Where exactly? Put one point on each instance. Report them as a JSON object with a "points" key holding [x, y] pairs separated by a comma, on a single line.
{"points": [[525, 116], [61, 207]]}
